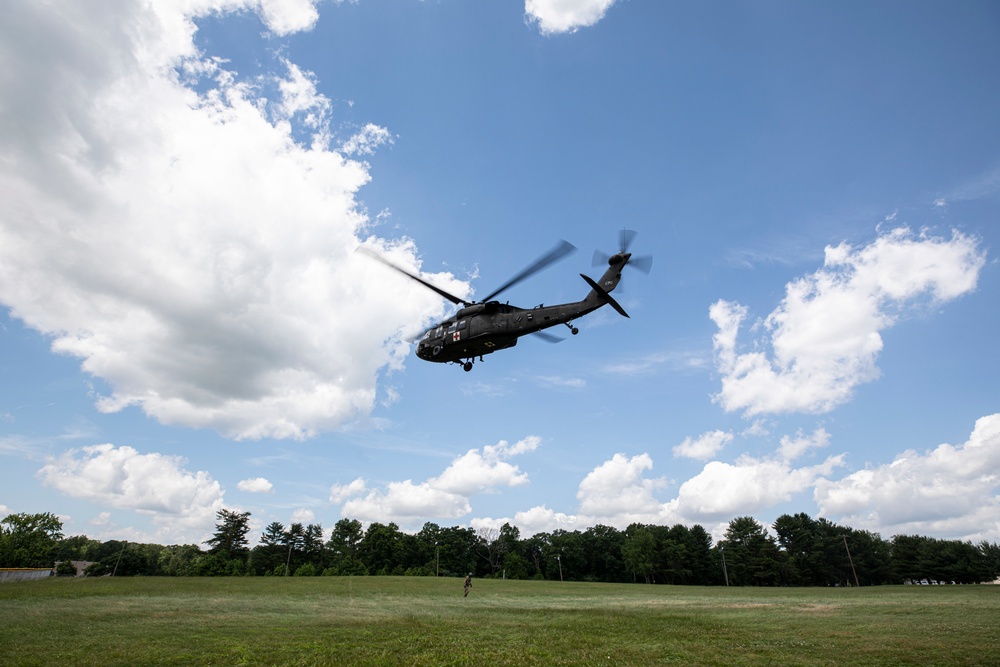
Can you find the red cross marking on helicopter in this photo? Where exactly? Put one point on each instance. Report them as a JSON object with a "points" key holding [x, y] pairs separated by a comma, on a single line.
{"points": [[456, 335]]}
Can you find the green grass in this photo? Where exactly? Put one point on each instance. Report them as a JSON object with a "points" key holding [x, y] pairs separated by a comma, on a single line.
{"points": [[426, 621]]}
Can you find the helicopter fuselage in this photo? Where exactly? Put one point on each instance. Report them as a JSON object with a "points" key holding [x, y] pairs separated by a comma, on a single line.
{"points": [[482, 328]]}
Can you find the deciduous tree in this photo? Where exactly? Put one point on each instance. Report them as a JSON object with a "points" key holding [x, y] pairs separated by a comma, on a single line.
{"points": [[29, 540]]}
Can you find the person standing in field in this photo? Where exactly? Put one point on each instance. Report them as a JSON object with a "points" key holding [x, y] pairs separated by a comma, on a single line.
{"points": [[468, 585]]}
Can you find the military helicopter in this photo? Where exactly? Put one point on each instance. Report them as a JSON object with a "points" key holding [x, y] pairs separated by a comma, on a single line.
{"points": [[483, 327]]}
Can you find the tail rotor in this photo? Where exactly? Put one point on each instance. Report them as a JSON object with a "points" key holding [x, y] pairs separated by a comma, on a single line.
{"points": [[625, 238]]}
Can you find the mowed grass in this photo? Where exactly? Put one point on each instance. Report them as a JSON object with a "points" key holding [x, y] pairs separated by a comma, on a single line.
{"points": [[426, 621]]}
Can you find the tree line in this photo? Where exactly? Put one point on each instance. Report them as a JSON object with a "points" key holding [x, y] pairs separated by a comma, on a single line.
{"points": [[801, 551]]}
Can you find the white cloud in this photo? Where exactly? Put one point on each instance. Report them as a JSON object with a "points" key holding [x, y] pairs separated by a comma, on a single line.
{"points": [[542, 519], [676, 362], [617, 487], [341, 492], [554, 16], [561, 382], [950, 491], [726, 490], [404, 502], [980, 186], [704, 446], [195, 250], [617, 493], [445, 496], [303, 515], [183, 504], [299, 98], [476, 472], [792, 448], [367, 140], [281, 16], [824, 337], [255, 485]]}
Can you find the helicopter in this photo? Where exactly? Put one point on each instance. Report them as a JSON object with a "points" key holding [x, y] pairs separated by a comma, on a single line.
{"points": [[486, 326]]}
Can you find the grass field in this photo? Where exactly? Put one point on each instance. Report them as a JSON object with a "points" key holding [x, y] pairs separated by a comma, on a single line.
{"points": [[426, 621]]}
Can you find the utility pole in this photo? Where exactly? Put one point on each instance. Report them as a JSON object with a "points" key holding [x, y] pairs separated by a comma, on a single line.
{"points": [[288, 561], [113, 572], [559, 560], [851, 560], [437, 560], [725, 572]]}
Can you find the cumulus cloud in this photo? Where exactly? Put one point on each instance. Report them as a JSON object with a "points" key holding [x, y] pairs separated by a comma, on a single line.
{"points": [[617, 489], [554, 16], [303, 515], [619, 492], [445, 496], [188, 236], [255, 485], [404, 502], [951, 490], [281, 16], [182, 503], [825, 336], [704, 446], [341, 492], [538, 519], [722, 491], [791, 448]]}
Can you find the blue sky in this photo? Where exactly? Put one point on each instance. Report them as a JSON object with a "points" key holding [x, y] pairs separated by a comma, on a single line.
{"points": [[186, 325]]}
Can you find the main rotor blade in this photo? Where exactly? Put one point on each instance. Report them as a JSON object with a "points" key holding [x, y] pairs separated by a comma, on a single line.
{"points": [[374, 255], [547, 337], [561, 250]]}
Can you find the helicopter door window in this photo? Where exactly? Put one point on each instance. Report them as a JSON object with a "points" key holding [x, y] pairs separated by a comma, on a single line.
{"points": [[461, 325]]}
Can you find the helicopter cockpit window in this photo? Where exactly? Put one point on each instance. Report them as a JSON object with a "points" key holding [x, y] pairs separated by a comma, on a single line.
{"points": [[439, 332], [452, 328]]}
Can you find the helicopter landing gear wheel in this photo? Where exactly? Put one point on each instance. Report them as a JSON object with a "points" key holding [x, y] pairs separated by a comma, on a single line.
{"points": [[575, 331], [467, 366]]}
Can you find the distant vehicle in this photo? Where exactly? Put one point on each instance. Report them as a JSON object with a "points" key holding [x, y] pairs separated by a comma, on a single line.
{"points": [[487, 326]]}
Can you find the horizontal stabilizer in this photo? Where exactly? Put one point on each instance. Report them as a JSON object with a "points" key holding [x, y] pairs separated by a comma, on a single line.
{"points": [[604, 296]]}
